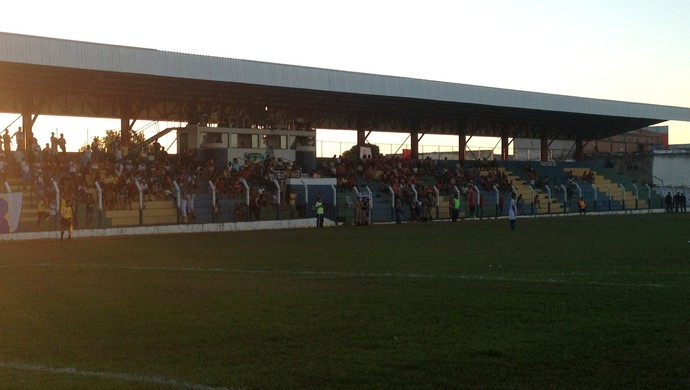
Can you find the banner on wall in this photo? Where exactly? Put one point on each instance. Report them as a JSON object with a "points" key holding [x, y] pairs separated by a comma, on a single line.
{"points": [[10, 209], [406, 153], [364, 152]]}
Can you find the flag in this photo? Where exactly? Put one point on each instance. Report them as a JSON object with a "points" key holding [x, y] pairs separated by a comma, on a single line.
{"points": [[10, 209]]}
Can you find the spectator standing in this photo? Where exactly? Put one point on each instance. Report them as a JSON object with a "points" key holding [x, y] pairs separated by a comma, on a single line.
{"points": [[43, 211], [472, 201], [36, 150], [95, 149], [482, 204], [398, 210], [7, 141], [3, 167], [293, 203], [456, 208], [582, 206], [669, 202], [512, 212], [66, 220], [26, 173], [365, 210], [19, 138], [683, 201], [358, 211], [62, 143], [319, 212], [53, 146]]}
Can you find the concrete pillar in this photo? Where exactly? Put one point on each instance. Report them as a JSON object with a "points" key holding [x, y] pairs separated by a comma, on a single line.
{"points": [[579, 150], [462, 146], [125, 125], [27, 126], [125, 132], [414, 143], [544, 148], [361, 137], [504, 145]]}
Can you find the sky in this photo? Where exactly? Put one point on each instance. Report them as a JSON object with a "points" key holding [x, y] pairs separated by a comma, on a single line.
{"points": [[627, 50]]}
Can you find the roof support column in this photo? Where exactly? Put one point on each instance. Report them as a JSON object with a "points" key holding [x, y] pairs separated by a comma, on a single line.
{"points": [[544, 148], [361, 137], [579, 150], [28, 120], [504, 145], [462, 145], [125, 124], [193, 116], [414, 144]]}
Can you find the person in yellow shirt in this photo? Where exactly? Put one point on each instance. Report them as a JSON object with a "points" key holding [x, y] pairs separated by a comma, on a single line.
{"points": [[65, 219], [43, 211], [319, 207]]}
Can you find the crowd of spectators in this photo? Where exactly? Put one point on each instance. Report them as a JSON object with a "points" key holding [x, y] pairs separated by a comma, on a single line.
{"points": [[413, 182]]}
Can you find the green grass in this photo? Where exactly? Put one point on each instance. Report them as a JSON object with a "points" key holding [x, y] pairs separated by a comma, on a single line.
{"points": [[582, 302]]}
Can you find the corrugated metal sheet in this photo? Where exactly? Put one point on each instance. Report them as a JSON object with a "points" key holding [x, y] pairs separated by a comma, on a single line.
{"points": [[84, 55]]}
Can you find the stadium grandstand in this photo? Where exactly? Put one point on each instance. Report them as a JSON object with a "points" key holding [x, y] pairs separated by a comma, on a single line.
{"points": [[246, 151]]}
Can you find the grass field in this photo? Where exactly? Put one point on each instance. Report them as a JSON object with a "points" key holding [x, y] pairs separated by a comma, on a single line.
{"points": [[580, 302]]}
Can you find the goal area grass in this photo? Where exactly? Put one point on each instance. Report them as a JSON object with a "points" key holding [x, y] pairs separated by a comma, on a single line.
{"points": [[572, 302]]}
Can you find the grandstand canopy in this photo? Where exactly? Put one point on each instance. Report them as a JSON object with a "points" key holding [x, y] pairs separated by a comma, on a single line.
{"points": [[46, 76]]}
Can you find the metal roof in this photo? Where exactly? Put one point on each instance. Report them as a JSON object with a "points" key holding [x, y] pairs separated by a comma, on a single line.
{"points": [[162, 85]]}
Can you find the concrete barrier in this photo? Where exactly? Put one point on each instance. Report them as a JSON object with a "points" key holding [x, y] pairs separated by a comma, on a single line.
{"points": [[171, 229]]}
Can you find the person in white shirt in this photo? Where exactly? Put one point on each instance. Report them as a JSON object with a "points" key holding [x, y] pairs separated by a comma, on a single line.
{"points": [[512, 212]]}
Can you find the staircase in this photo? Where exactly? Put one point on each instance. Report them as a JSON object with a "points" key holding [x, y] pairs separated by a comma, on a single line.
{"points": [[626, 198]]}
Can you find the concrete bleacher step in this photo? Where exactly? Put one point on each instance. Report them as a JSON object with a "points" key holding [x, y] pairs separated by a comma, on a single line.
{"points": [[154, 213], [602, 183]]}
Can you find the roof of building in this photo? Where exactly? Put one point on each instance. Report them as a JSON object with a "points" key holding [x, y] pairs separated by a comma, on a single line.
{"points": [[64, 77]]}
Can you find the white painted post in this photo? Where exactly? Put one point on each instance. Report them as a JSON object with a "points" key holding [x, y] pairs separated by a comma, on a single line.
{"points": [[354, 188], [371, 204], [278, 193], [141, 202], [548, 204], [213, 200], [246, 195], [390, 191], [58, 206], [99, 190], [565, 199], [335, 202], [498, 195], [478, 206], [579, 190], [438, 202], [533, 194], [178, 201]]}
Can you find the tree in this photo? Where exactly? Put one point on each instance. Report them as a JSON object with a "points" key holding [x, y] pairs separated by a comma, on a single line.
{"points": [[353, 153], [112, 137]]}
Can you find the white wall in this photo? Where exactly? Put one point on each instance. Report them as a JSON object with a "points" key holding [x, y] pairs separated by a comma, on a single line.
{"points": [[673, 167]]}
